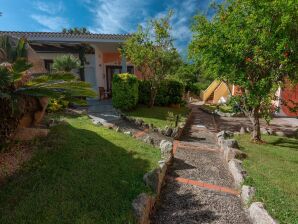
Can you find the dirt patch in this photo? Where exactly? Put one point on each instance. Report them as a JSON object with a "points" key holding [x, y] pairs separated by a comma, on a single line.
{"points": [[12, 159]]}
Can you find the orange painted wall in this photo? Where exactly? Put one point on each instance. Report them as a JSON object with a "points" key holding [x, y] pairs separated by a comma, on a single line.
{"points": [[115, 59], [111, 58], [289, 94]]}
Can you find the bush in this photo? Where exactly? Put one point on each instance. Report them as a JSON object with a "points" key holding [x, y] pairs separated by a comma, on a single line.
{"points": [[169, 92], [144, 92], [56, 105], [125, 91]]}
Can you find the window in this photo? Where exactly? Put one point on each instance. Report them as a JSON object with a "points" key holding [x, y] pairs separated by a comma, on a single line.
{"points": [[48, 65]]}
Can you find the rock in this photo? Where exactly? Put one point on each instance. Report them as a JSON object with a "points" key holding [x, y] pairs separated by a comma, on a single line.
{"points": [[174, 132], [26, 121], [166, 148], [220, 142], [232, 143], [149, 140], [259, 215], [270, 131], [168, 131], [161, 131], [151, 179], [118, 129], [142, 206], [108, 125], [155, 130], [26, 134], [247, 194], [151, 126], [225, 134], [280, 133], [248, 130], [146, 126], [266, 131], [242, 131], [232, 153], [139, 122], [128, 133], [235, 167]]}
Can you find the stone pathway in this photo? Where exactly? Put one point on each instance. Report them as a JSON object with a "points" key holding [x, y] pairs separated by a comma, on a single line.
{"points": [[199, 187]]}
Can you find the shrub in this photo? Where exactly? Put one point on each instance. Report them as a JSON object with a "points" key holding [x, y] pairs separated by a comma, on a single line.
{"points": [[169, 92], [144, 92], [125, 91], [56, 105]]}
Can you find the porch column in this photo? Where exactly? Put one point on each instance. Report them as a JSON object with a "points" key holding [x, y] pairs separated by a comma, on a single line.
{"points": [[123, 62], [98, 67]]}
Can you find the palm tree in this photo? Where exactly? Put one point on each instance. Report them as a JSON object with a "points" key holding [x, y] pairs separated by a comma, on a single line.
{"points": [[17, 85], [66, 63]]}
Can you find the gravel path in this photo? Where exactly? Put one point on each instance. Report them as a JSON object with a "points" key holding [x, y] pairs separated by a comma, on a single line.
{"points": [[197, 158]]}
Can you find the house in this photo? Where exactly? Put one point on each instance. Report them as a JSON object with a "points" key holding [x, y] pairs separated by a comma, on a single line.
{"points": [[286, 98], [102, 55]]}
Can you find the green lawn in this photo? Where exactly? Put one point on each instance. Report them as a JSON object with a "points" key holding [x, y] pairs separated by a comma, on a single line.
{"points": [[157, 115], [223, 108], [273, 170], [81, 173]]}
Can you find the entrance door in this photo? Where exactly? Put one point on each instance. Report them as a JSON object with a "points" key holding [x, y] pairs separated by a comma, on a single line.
{"points": [[111, 71]]}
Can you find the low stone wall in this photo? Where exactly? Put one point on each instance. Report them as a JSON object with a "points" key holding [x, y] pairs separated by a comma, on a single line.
{"points": [[233, 157], [144, 203], [167, 131]]}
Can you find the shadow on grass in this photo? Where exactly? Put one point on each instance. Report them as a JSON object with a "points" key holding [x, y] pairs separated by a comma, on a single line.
{"points": [[288, 143], [76, 176]]}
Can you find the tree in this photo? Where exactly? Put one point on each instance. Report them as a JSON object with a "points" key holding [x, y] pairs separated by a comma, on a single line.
{"points": [[65, 63], [151, 50], [252, 44], [76, 30]]}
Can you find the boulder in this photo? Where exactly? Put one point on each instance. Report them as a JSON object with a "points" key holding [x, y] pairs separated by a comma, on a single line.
{"points": [[26, 134], [232, 143], [242, 131], [235, 167], [266, 131], [247, 194], [174, 132], [232, 153], [128, 133], [151, 179], [26, 121], [259, 215], [142, 206], [149, 140], [166, 148], [280, 133], [168, 131], [225, 134]]}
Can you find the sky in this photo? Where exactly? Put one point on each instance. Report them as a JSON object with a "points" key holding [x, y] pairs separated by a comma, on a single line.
{"points": [[100, 16]]}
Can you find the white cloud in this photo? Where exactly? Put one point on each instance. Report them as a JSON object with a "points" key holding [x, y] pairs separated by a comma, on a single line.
{"points": [[51, 23], [49, 7], [116, 16]]}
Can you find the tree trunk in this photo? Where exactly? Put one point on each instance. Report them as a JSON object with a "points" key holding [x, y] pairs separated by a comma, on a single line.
{"points": [[255, 119], [153, 93]]}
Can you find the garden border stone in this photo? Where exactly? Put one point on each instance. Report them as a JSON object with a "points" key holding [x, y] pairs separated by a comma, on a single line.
{"points": [[232, 156], [144, 204]]}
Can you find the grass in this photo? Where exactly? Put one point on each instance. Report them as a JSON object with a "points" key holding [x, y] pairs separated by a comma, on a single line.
{"points": [[157, 115], [80, 173], [223, 108], [273, 170]]}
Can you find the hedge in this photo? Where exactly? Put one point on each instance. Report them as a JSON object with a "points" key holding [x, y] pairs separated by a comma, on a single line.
{"points": [[169, 92], [125, 91]]}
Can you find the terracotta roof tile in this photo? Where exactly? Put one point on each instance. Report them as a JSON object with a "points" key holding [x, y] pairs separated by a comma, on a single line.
{"points": [[59, 35]]}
